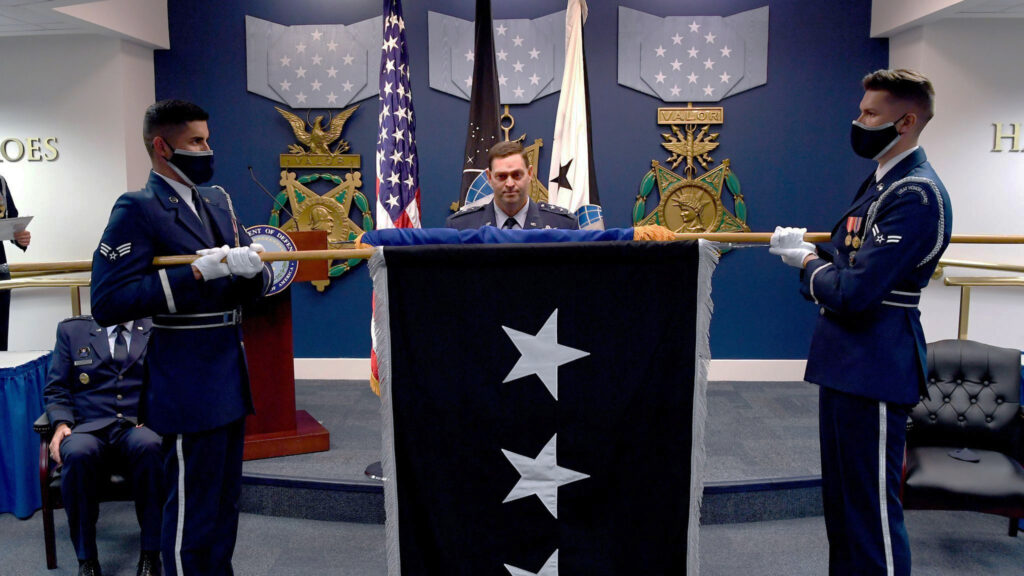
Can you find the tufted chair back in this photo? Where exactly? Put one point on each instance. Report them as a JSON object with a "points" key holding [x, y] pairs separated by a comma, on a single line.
{"points": [[964, 440], [974, 398]]}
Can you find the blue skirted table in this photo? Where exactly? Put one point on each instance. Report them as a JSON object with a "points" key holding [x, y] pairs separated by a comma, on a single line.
{"points": [[22, 377]]}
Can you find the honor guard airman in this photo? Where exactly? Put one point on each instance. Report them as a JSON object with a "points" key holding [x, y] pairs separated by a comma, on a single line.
{"points": [[868, 349], [197, 386]]}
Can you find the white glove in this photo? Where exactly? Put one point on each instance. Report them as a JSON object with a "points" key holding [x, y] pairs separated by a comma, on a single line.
{"points": [[789, 243], [245, 260], [210, 263]]}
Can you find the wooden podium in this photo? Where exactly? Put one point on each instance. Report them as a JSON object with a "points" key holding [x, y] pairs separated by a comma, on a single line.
{"points": [[277, 428]]}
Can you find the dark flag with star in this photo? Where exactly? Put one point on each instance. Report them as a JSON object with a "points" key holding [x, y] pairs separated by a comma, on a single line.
{"points": [[572, 181], [543, 436], [398, 188], [482, 132]]}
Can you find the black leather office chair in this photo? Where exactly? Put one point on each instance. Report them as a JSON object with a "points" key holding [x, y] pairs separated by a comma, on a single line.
{"points": [[964, 442], [49, 483]]}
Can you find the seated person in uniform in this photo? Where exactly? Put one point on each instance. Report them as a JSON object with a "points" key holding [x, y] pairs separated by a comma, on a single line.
{"points": [[509, 175], [92, 398]]}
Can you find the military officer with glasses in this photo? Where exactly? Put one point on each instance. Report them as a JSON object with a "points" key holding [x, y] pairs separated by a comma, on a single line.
{"points": [[196, 387]]}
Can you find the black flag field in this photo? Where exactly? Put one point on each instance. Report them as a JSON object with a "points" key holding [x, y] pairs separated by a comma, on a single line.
{"points": [[534, 429]]}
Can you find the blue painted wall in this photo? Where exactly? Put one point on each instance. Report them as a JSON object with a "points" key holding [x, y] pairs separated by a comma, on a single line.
{"points": [[787, 141]]}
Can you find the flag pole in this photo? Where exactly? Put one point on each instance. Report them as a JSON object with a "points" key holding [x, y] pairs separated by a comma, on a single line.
{"points": [[364, 253]]}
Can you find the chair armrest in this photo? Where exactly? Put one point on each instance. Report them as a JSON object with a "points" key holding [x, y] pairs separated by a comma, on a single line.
{"points": [[42, 425]]}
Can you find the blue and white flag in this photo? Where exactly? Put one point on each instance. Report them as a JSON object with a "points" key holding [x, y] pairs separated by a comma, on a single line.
{"points": [[312, 66], [693, 58], [529, 55], [572, 179]]}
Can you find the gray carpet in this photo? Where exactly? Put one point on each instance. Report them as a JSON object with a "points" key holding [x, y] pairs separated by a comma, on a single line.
{"points": [[755, 430], [942, 543]]}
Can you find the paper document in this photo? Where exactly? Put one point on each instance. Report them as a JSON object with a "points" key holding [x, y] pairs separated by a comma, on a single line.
{"points": [[8, 226]]}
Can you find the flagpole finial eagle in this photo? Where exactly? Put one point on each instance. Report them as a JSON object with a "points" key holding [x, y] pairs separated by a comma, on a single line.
{"points": [[317, 139]]}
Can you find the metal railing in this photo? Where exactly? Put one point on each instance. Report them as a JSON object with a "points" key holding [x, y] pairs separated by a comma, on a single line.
{"points": [[967, 282]]}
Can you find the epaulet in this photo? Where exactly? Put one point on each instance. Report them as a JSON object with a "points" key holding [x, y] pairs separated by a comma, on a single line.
{"points": [[83, 317], [553, 209], [468, 210]]}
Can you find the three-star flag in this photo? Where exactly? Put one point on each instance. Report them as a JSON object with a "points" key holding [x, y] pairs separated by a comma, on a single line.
{"points": [[488, 471]]}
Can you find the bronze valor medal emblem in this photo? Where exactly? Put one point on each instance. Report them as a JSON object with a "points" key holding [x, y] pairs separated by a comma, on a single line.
{"points": [[688, 202], [339, 208]]}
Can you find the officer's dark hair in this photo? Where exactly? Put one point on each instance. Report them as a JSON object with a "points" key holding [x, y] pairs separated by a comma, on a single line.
{"points": [[166, 115], [906, 85], [506, 149]]}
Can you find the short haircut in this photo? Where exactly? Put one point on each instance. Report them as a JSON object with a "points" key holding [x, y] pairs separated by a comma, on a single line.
{"points": [[905, 85], [167, 115], [506, 149]]}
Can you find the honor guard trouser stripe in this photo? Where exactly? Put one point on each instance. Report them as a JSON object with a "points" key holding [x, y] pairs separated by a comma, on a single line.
{"points": [[167, 291], [883, 494], [180, 524]]}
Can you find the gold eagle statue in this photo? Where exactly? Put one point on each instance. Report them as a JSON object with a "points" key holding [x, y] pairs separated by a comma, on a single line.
{"points": [[690, 148], [317, 139]]}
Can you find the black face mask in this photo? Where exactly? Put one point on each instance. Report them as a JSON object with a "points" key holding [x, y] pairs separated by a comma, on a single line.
{"points": [[875, 141], [195, 167]]}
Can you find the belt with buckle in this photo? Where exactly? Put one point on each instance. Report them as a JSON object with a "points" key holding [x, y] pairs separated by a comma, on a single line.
{"points": [[197, 321], [902, 299]]}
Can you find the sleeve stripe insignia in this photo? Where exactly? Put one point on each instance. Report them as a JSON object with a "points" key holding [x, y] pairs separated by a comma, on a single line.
{"points": [[113, 254]]}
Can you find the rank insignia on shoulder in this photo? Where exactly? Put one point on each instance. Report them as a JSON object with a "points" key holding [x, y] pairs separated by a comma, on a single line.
{"points": [[113, 254]]}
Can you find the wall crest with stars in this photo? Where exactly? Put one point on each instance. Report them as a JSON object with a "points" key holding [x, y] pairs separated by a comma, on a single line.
{"points": [[693, 58]]}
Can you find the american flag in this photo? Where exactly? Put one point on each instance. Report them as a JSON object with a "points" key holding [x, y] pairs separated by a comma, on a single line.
{"points": [[398, 188]]}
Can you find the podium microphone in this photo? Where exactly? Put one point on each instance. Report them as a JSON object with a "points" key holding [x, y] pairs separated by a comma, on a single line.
{"points": [[267, 192]]}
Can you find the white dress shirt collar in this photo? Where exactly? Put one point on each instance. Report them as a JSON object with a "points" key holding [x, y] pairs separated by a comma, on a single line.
{"points": [[883, 169], [500, 217]]}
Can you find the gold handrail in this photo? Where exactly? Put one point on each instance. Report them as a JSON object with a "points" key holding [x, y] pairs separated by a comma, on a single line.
{"points": [[965, 284], [949, 263], [75, 284]]}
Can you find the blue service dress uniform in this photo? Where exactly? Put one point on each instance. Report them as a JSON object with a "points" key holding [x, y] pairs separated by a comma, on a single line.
{"points": [[196, 391], [539, 215], [7, 210], [868, 356], [98, 397]]}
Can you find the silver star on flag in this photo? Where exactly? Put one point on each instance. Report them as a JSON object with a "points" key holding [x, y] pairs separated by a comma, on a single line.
{"points": [[541, 476], [541, 354]]}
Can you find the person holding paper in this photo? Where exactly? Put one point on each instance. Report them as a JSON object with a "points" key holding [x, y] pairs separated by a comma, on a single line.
{"points": [[21, 240]]}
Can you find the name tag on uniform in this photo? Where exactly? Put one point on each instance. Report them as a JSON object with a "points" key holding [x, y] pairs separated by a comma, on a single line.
{"points": [[83, 362]]}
